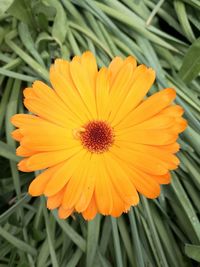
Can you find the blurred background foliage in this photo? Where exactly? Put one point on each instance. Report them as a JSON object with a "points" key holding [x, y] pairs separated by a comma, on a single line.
{"points": [[161, 34]]}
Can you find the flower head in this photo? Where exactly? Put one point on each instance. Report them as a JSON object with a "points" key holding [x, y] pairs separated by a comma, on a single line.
{"points": [[96, 137]]}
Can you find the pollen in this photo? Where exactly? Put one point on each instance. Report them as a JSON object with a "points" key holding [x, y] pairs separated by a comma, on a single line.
{"points": [[98, 137]]}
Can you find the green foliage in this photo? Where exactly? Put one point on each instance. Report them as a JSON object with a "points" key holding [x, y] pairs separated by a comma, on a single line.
{"points": [[193, 251], [162, 34], [191, 63], [5, 4]]}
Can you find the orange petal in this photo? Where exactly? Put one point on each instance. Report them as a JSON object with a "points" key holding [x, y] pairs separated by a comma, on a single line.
{"points": [[158, 122], [47, 159], [17, 135], [173, 110], [163, 179], [124, 80], [48, 135], [114, 68], [172, 148], [76, 183], [102, 94], [52, 113], [55, 201], [30, 124], [154, 151], [19, 120], [88, 188], [150, 137], [22, 165], [120, 88], [88, 63], [38, 185], [121, 181], [60, 78], [29, 93], [63, 174], [145, 184], [50, 98], [132, 60], [180, 125], [83, 85], [91, 210], [143, 161], [103, 191], [118, 204], [24, 152], [63, 213], [137, 92], [148, 108]]}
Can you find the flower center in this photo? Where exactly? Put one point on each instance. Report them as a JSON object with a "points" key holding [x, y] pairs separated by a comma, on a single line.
{"points": [[97, 136]]}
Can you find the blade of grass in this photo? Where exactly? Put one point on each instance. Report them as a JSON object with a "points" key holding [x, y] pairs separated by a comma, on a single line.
{"points": [[49, 236], [116, 239], [75, 258], [135, 238], [93, 229], [4, 216], [16, 242], [187, 207], [105, 236], [191, 63], [123, 229], [29, 60], [7, 152], [155, 236], [4, 101], [28, 42], [15, 75], [70, 232], [182, 16], [154, 11], [90, 35], [193, 252]]}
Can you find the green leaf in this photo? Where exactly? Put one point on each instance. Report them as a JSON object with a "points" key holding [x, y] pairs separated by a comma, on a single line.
{"points": [[118, 253], [193, 225], [7, 152], [92, 240], [11, 110], [194, 3], [154, 11], [14, 208], [152, 228], [136, 240], [75, 258], [191, 63], [123, 229], [16, 75], [49, 231], [28, 42], [21, 9], [182, 16], [4, 101], [193, 252], [43, 254], [29, 60], [4, 5], [72, 234], [60, 25], [16, 242]]}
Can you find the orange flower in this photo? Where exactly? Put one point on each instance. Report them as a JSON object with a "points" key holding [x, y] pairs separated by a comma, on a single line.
{"points": [[96, 136]]}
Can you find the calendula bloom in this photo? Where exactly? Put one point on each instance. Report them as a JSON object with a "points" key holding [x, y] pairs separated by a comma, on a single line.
{"points": [[96, 137]]}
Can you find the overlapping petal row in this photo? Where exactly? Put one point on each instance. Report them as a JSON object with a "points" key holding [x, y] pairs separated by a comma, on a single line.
{"points": [[145, 136]]}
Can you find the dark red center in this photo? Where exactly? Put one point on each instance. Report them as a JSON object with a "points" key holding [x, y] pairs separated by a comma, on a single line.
{"points": [[97, 137]]}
